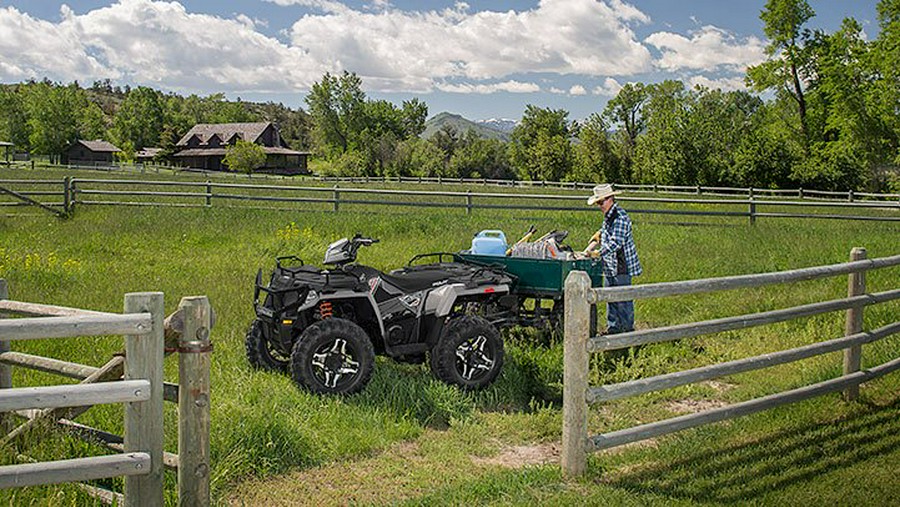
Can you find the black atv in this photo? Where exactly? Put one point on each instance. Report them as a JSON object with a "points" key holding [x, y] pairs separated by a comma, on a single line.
{"points": [[326, 325]]}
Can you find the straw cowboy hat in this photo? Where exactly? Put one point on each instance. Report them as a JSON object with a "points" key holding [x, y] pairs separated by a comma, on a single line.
{"points": [[601, 192]]}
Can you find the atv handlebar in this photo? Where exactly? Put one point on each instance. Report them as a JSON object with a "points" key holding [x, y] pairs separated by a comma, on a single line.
{"points": [[364, 240]]}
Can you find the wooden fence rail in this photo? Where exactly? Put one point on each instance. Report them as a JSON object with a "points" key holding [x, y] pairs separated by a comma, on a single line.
{"points": [[148, 337], [134, 192], [801, 193], [578, 347], [206, 194]]}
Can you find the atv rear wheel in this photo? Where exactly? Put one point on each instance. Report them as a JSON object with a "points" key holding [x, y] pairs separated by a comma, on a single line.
{"points": [[333, 356], [261, 353], [469, 353]]}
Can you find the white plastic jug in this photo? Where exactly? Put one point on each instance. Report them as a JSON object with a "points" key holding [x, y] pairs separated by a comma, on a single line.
{"points": [[489, 242]]}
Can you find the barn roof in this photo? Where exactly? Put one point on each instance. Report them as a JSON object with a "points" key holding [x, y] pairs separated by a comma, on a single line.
{"points": [[204, 131], [99, 146]]}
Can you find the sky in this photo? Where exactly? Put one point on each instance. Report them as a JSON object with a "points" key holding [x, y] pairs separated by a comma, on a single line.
{"points": [[481, 59]]}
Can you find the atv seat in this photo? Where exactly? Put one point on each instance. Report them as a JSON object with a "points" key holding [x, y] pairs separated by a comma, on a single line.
{"points": [[412, 280]]}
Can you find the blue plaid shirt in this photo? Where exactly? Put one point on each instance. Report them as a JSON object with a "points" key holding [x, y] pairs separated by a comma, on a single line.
{"points": [[617, 243]]}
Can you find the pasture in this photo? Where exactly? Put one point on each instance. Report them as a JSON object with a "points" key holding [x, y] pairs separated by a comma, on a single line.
{"points": [[409, 438]]}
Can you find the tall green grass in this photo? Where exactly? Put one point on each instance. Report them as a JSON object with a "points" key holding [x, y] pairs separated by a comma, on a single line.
{"points": [[263, 425]]}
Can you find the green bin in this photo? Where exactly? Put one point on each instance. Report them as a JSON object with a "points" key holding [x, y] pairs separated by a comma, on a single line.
{"points": [[541, 276]]}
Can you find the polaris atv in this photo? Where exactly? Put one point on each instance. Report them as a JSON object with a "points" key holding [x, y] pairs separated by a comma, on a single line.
{"points": [[326, 325]]}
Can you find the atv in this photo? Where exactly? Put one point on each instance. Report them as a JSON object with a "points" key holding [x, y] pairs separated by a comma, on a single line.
{"points": [[325, 326]]}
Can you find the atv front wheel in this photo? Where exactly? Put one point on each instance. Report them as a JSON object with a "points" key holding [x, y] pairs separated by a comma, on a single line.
{"points": [[469, 353], [260, 351], [333, 356]]}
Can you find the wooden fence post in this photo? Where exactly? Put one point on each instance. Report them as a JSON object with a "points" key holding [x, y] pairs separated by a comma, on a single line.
{"points": [[468, 202], [752, 211], [5, 369], [193, 403], [337, 198], [575, 374], [208, 193], [144, 420], [73, 192], [67, 196], [856, 285]]}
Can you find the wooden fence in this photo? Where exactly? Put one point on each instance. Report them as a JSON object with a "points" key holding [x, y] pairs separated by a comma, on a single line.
{"points": [[129, 192], [747, 192], [140, 456], [578, 347]]}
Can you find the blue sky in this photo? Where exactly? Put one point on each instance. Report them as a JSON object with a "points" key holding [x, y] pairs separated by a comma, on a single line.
{"points": [[482, 59]]}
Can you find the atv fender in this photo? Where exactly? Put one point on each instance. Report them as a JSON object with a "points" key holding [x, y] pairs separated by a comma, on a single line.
{"points": [[365, 298], [441, 300]]}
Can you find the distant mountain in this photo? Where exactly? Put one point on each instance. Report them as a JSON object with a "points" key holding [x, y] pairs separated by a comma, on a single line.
{"points": [[501, 124], [462, 125]]}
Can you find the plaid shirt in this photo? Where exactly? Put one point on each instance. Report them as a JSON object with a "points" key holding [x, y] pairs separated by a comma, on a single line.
{"points": [[617, 243]]}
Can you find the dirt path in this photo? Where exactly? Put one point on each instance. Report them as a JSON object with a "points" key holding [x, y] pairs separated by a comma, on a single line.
{"points": [[403, 471]]}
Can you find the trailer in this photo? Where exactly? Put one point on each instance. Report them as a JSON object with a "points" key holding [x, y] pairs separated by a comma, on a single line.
{"points": [[536, 297]]}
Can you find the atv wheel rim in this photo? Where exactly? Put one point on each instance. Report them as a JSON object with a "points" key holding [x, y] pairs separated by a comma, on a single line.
{"points": [[333, 363], [474, 358]]}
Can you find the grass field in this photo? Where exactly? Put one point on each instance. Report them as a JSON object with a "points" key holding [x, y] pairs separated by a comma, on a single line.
{"points": [[410, 439]]}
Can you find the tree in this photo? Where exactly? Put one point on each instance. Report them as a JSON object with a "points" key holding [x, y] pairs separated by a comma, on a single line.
{"points": [[140, 118], [595, 159], [414, 114], [714, 126], [417, 157], [625, 110], [53, 113], [244, 156], [13, 117], [663, 153], [336, 108], [539, 148], [885, 59], [91, 121], [447, 139], [787, 66], [477, 157]]}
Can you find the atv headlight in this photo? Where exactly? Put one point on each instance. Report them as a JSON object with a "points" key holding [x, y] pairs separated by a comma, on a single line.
{"points": [[312, 297]]}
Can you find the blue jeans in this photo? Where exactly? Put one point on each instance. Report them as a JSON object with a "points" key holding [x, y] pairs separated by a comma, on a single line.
{"points": [[620, 315]]}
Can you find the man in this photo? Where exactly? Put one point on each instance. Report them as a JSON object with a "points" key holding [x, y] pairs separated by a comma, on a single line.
{"points": [[615, 245]]}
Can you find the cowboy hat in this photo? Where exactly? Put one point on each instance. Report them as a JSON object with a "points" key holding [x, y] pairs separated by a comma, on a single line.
{"points": [[601, 192]]}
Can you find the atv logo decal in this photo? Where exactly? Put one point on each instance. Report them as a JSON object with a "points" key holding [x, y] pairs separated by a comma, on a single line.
{"points": [[373, 284], [440, 282]]}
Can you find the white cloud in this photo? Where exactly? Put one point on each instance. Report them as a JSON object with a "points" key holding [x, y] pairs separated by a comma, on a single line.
{"points": [[507, 86], [33, 48], [155, 43], [628, 12], [708, 48], [584, 37], [458, 49], [724, 84], [609, 88]]}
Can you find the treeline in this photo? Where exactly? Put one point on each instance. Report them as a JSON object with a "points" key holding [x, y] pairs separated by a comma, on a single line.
{"points": [[830, 120], [823, 111], [44, 118]]}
